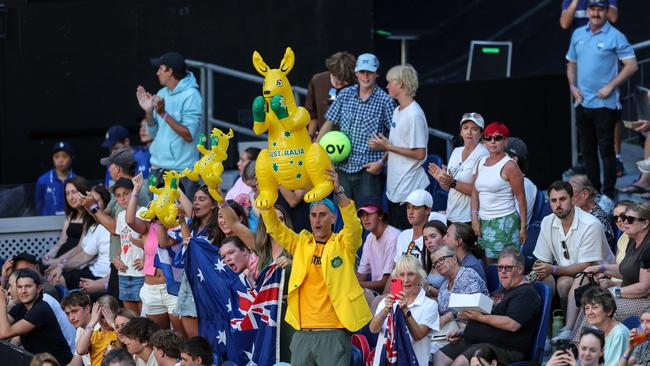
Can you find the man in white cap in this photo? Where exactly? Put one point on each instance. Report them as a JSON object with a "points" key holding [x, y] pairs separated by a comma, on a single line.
{"points": [[410, 241], [361, 112]]}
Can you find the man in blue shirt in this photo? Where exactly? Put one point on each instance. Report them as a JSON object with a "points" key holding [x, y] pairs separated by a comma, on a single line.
{"points": [[593, 75], [50, 192], [574, 12], [361, 111]]}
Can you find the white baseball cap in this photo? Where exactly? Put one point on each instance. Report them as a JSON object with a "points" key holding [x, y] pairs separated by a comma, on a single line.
{"points": [[474, 117], [437, 216], [419, 197]]}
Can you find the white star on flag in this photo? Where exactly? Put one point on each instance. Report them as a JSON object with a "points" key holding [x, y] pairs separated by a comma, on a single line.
{"points": [[229, 306], [250, 357], [221, 338], [200, 275], [220, 266]]}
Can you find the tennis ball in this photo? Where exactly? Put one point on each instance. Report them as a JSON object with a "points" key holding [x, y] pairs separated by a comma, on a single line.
{"points": [[337, 145]]}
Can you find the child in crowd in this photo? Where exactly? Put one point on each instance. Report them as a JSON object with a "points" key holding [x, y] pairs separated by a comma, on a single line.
{"points": [[94, 339], [76, 306], [250, 154], [131, 259], [638, 349], [50, 197]]}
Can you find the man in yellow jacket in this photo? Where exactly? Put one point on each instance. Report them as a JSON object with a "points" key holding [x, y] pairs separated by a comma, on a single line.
{"points": [[325, 300]]}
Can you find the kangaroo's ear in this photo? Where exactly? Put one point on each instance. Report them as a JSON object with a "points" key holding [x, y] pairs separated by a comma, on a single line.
{"points": [[259, 64], [230, 134], [287, 62]]}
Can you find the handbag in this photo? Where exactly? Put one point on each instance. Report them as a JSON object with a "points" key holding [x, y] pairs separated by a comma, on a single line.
{"points": [[581, 289]]}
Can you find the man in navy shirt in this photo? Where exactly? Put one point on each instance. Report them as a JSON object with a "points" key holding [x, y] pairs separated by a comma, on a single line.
{"points": [[592, 72], [50, 191], [33, 319]]}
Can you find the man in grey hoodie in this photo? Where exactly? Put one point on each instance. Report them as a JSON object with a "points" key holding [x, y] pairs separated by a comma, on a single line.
{"points": [[174, 116]]}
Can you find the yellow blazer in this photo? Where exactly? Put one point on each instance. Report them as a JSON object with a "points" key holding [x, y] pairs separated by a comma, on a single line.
{"points": [[337, 264]]}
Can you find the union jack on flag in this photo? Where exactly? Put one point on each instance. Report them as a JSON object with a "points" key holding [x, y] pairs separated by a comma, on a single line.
{"points": [[260, 302]]}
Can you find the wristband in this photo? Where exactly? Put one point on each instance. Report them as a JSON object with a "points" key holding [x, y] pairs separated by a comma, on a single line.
{"points": [[625, 357], [164, 117], [94, 208], [224, 204], [554, 270], [135, 195], [105, 285], [381, 162], [89, 328], [602, 268], [474, 212]]}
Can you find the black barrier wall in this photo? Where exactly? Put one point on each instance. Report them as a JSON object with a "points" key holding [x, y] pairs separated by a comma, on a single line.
{"points": [[69, 69]]}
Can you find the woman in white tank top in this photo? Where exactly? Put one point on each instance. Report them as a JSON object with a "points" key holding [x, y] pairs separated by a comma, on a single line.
{"points": [[498, 181]]}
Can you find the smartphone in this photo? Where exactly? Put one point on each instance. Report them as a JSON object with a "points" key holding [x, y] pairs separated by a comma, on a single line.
{"points": [[396, 286], [631, 124]]}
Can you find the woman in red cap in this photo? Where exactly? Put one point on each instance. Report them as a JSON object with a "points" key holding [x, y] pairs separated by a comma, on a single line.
{"points": [[498, 181]]}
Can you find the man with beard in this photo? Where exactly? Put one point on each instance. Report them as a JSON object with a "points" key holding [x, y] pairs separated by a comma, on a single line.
{"points": [[569, 237], [594, 78]]}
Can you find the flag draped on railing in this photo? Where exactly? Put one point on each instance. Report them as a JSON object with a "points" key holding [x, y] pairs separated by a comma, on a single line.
{"points": [[240, 320]]}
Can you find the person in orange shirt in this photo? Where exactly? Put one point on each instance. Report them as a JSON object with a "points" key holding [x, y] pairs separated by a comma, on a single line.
{"points": [[325, 300], [95, 340]]}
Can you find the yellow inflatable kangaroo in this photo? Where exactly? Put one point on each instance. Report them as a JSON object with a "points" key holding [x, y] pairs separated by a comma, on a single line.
{"points": [[291, 159], [210, 166], [164, 206]]}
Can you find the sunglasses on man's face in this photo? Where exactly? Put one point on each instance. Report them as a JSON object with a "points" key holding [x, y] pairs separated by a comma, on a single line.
{"points": [[493, 137], [506, 268], [630, 219]]}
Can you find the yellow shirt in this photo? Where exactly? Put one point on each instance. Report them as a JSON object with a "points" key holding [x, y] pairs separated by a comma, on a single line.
{"points": [[99, 341], [316, 310]]}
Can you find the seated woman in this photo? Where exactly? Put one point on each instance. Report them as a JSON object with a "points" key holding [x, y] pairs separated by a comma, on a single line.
{"points": [[433, 235], [633, 293], [638, 350], [458, 280], [421, 313], [461, 239], [599, 308], [76, 222], [591, 350]]}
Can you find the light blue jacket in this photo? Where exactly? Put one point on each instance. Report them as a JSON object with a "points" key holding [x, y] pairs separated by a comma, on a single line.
{"points": [[185, 105]]}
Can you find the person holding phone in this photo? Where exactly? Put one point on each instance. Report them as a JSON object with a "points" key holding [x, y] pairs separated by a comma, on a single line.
{"points": [[591, 350], [408, 296]]}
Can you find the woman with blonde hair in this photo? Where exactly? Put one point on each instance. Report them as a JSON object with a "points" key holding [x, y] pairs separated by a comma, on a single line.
{"points": [[421, 312], [44, 359]]}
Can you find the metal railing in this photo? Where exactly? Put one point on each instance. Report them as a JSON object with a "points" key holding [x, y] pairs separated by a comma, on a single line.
{"points": [[627, 95], [206, 83]]}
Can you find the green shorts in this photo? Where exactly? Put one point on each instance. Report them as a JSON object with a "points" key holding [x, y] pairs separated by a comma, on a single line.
{"points": [[499, 233]]}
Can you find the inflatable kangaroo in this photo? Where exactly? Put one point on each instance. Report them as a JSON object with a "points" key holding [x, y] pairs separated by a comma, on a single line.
{"points": [[210, 166], [291, 159], [164, 206]]}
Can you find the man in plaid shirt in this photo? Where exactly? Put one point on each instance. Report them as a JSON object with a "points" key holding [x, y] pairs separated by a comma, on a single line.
{"points": [[361, 112]]}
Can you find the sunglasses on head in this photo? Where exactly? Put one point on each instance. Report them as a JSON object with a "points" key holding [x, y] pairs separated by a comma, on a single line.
{"points": [[629, 219], [489, 138]]}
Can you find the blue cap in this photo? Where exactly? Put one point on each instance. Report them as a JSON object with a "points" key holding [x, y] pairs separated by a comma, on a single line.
{"points": [[325, 201], [115, 134], [367, 62], [63, 146], [601, 3]]}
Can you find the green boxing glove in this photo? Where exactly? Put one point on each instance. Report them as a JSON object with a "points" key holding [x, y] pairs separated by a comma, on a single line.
{"points": [[202, 139], [152, 180], [279, 107], [214, 141], [259, 114]]}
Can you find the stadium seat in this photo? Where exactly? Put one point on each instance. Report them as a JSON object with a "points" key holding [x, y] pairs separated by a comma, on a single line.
{"points": [[357, 356], [541, 208], [360, 341], [537, 351], [632, 322], [529, 246], [492, 277], [62, 290], [439, 200], [433, 184]]}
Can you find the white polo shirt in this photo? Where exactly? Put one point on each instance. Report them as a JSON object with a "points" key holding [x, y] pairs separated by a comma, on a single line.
{"points": [[585, 240]]}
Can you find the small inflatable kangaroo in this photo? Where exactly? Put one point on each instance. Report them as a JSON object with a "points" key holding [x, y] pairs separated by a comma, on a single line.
{"points": [[291, 159], [210, 166], [164, 206]]}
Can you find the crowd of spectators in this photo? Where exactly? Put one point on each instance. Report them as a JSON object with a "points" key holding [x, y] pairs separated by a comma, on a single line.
{"points": [[117, 289]]}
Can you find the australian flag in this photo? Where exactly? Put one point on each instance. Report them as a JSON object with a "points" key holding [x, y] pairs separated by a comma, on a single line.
{"points": [[239, 319], [398, 349]]}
